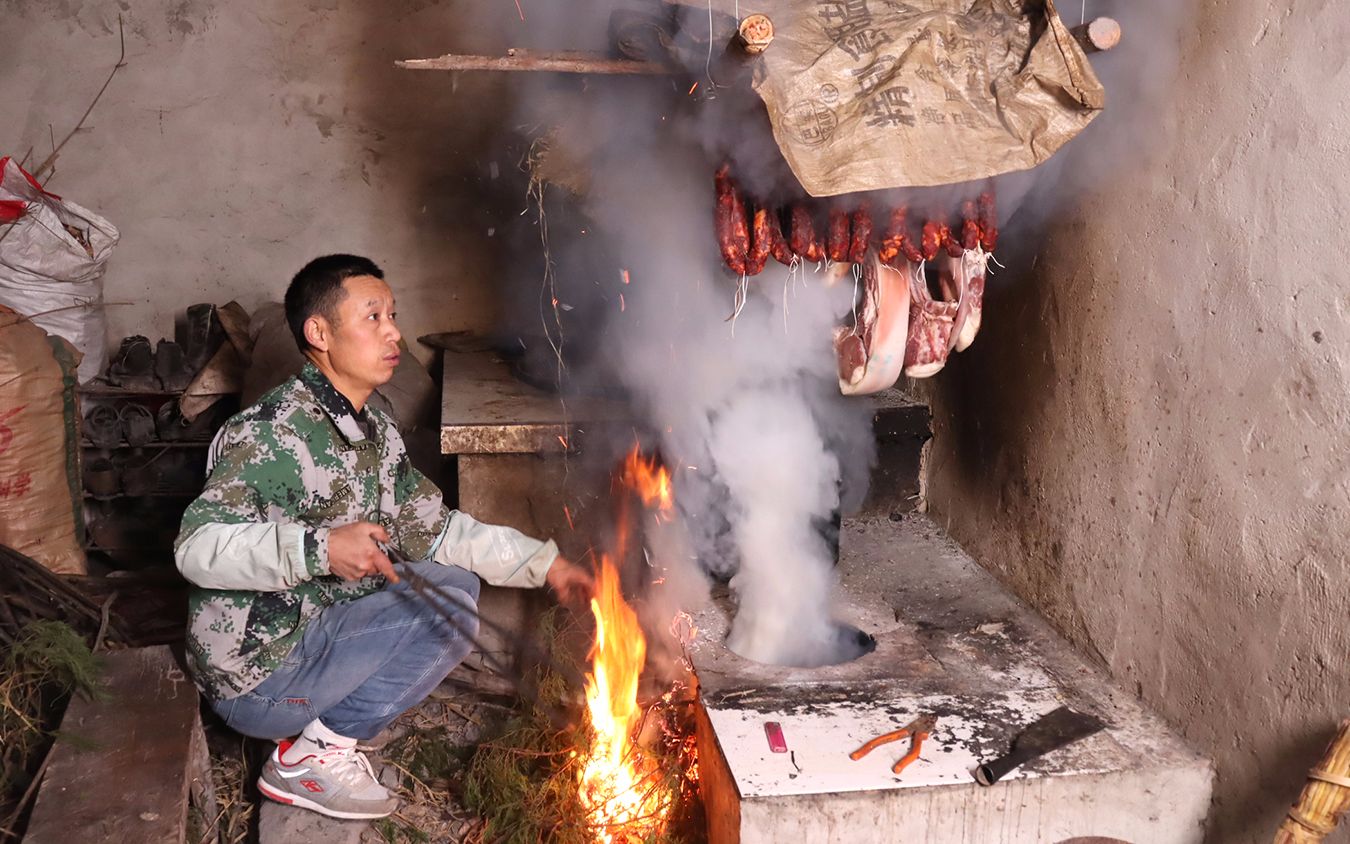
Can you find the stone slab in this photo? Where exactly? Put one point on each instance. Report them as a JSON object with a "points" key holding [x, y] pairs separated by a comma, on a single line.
{"points": [[278, 824], [486, 410]]}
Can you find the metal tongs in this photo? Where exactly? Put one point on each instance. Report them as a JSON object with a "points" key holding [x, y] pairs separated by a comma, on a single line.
{"points": [[434, 593]]}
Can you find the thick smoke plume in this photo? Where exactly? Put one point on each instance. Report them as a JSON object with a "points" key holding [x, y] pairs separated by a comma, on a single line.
{"points": [[745, 409]]}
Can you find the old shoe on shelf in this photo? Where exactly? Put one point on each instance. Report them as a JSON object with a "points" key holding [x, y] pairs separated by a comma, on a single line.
{"points": [[100, 478], [170, 423], [172, 426], [140, 475], [138, 424], [103, 426], [201, 336], [171, 367], [133, 366]]}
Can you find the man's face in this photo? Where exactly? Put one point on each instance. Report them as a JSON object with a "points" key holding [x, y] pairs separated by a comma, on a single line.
{"points": [[363, 345]]}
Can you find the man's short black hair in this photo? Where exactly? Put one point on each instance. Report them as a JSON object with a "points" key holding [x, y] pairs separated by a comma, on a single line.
{"points": [[317, 289]]}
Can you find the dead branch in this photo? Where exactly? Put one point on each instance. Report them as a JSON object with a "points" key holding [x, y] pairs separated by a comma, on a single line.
{"points": [[525, 60], [50, 160]]}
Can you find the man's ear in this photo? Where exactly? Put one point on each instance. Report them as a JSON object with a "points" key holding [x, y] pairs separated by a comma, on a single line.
{"points": [[317, 332]]}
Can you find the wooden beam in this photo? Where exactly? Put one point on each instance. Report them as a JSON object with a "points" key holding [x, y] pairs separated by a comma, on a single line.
{"points": [[525, 60]]}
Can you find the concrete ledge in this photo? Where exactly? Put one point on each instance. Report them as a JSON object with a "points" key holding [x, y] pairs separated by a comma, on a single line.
{"points": [[951, 642]]}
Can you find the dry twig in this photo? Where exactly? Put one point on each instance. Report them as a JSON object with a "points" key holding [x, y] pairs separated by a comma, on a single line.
{"points": [[50, 161]]}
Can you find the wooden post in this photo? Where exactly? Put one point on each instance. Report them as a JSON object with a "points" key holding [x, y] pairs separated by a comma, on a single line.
{"points": [[1325, 798], [1097, 35]]}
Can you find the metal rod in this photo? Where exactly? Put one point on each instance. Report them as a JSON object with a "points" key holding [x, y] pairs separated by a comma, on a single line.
{"points": [[428, 590]]}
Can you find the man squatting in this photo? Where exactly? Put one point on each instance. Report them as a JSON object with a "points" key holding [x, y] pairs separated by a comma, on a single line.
{"points": [[298, 623]]}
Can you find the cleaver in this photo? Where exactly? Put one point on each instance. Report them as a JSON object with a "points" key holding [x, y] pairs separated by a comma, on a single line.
{"points": [[1051, 731]]}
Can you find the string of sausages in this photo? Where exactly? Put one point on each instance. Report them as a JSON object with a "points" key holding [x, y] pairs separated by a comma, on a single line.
{"points": [[750, 232]]}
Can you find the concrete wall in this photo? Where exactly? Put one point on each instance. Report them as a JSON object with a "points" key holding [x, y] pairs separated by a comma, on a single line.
{"points": [[1149, 439], [245, 137]]}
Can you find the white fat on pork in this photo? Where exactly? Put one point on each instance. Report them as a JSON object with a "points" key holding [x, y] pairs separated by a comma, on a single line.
{"points": [[872, 350]]}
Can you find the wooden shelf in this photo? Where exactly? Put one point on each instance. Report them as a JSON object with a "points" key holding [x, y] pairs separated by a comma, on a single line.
{"points": [[109, 391], [152, 494], [151, 444]]}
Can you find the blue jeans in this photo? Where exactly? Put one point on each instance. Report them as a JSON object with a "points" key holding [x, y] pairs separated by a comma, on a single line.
{"points": [[362, 663]]}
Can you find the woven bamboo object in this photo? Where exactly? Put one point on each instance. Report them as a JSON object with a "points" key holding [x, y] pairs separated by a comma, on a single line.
{"points": [[1325, 797]]}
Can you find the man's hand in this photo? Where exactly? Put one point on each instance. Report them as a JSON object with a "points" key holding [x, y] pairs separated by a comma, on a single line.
{"points": [[569, 581], [353, 554]]}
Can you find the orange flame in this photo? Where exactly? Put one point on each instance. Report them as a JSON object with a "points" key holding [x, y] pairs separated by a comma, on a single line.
{"points": [[649, 479], [619, 786]]}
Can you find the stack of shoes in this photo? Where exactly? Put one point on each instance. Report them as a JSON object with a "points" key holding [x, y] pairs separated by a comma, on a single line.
{"points": [[133, 366], [171, 364]]}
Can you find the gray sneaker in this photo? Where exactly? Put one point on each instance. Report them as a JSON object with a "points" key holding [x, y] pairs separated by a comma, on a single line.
{"points": [[337, 782]]}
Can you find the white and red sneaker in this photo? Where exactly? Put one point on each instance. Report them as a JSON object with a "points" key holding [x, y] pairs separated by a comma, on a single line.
{"points": [[334, 781]]}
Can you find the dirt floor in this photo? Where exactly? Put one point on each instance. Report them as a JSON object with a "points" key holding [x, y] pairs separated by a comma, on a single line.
{"points": [[423, 762]]}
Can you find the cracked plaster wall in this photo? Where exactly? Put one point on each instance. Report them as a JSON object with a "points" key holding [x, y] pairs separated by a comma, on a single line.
{"points": [[243, 138], [1148, 441]]}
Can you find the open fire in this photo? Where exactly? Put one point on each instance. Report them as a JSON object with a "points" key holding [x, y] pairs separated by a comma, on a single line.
{"points": [[622, 788], [627, 794]]}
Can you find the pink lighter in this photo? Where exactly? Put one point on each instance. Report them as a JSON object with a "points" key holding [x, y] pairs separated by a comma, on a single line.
{"points": [[774, 731]]}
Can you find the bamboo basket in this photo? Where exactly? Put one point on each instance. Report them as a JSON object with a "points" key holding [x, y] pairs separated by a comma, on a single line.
{"points": [[1325, 797]]}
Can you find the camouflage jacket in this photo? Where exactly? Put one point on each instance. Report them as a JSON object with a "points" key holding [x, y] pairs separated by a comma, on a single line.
{"points": [[255, 544]]}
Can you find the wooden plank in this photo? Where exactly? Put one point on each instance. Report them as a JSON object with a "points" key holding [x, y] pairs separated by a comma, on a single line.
{"points": [[487, 410], [525, 60], [120, 770], [716, 785]]}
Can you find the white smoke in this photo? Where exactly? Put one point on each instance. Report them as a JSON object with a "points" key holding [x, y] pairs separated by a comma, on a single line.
{"points": [[769, 452], [747, 408]]}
